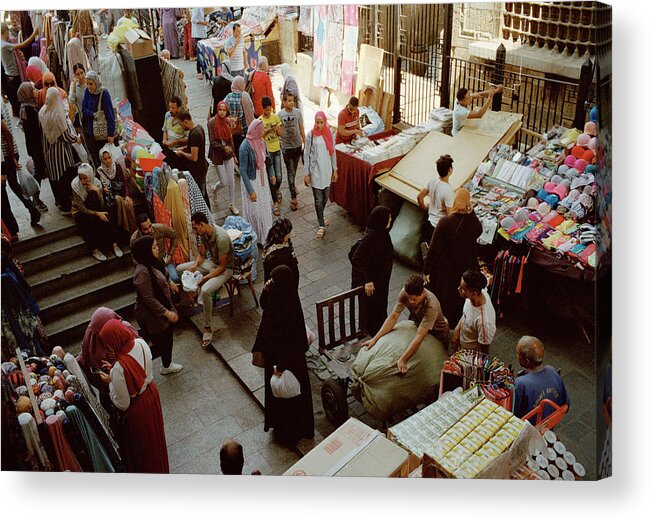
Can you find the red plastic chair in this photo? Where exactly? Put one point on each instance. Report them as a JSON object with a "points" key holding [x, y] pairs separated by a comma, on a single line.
{"points": [[551, 420]]}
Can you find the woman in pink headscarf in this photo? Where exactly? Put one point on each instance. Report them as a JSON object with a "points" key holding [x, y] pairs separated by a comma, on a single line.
{"points": [[256, 194], [94, 352], [35, 75], [240, 107], [320, 162]]}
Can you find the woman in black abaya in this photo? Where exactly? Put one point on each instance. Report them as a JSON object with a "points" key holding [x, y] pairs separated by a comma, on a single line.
{"points": [[282, 340], [372, 260]]}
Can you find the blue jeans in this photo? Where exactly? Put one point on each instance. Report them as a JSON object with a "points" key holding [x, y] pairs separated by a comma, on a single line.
{"points": [[320, 201], [174, 276], [277, 171]]}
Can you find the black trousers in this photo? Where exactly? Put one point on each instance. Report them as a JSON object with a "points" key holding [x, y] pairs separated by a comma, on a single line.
{"points": [[62, 189], [10, 87], [9, 169], [96, 233], [7, 215], [162, 344]]}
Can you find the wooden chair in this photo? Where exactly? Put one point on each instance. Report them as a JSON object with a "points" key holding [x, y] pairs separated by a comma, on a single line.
{"points": [[340, 329], [231, 286]]}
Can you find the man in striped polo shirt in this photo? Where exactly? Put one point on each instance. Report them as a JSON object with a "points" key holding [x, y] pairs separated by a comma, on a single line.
{"points": [[476, 328]]}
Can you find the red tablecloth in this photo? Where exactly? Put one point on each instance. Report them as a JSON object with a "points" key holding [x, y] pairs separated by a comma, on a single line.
{"points": [[354, 190]]}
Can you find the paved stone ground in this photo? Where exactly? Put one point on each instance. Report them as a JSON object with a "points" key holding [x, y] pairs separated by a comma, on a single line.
{"points": [[204, 403]]}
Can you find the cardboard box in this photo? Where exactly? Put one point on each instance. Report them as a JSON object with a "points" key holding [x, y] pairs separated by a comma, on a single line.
{"points": [[354, 450], [139, 43]]}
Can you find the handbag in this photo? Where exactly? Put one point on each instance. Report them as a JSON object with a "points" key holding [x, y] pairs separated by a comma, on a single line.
{"points": [[258, 359], [100, 125], [236, 125]]}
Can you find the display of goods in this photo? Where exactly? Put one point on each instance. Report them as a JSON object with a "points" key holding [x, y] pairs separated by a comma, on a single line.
{"points": [[477, 439], [419, 432]]}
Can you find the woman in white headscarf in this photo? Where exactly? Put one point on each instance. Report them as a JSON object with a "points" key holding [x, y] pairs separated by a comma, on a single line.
{"points": [[221, 86], [90, 214], [290, 85], [57, 140], [38, 62], [117, 192]]}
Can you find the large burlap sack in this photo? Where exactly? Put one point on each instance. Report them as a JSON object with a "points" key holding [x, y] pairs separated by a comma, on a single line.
{"points": [[376, 382]]}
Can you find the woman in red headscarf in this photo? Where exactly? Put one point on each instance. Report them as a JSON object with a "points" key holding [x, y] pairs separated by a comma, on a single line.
{"points": [[35, 75], [256, 194], [222, 152], [320, 163], [132, 390]]}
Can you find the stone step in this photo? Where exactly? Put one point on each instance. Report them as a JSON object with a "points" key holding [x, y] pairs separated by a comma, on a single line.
{"points": [[58, 277], [22, 247], [90, 293], [69, 330], [53, 254]]}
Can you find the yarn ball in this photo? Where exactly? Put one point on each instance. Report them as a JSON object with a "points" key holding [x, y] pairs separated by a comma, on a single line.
{"points": [[580, 165], [48, 412], [23, 404], [22, 390], [577, 151], [58, 395], [69, 396], [48, 404], [66, 374], [570, 160]]}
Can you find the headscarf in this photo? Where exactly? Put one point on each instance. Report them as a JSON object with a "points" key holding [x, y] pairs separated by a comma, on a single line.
{"points": [[78, 187], [226, 71], [254, 138], [52, 116], [142, 254], [26, 98], [263, 64], [462, 202], [106, 176], [286, 71], [39, 63], [49, 77], [94, 77], [378, 219], [117, 338], [93, 350], [34, 75], [326, 133], [278, 231], [238, 87], [222, 127]]}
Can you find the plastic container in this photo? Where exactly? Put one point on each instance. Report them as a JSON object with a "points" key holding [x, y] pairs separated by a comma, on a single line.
{"points": [[550, 437], [543, 474], [553, 471], [569, 458], [568, 475], [551, 454], [560, 448], [578, 469], [560, 464]]}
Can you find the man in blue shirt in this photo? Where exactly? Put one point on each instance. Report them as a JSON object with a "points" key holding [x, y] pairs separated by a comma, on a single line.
{"points": [[538, 381]]}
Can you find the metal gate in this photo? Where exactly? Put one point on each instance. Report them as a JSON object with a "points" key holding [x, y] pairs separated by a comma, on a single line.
{"points": [[413, 39]]}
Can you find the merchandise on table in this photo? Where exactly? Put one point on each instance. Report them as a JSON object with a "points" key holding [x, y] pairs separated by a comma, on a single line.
{"points": [[471, 447], [54, 391], [554, 462], [418, 433], [494, 378]]}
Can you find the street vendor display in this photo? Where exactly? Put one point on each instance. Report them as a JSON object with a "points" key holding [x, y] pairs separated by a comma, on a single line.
{"points": [[254, 23]]}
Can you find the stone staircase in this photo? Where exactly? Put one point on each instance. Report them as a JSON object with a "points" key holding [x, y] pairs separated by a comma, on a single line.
{"points": [[69, 284]]}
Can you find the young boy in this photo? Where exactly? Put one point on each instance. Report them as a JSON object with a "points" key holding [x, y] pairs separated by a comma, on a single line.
{"points": [[273, 131], [292, 142]]}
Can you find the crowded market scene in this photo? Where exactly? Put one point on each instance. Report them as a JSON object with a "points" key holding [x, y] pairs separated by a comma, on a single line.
{"points": [[215, 218]]}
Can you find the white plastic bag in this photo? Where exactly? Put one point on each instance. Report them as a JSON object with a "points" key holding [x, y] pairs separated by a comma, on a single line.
{"points": [[310, 335], [112, 77], [27, 183], [190, 280], [285, 386]]}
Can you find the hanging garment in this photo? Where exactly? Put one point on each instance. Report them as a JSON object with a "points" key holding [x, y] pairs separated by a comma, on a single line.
{"points": [[66, 460], [174, 204], [193, 245], [197, 202], [173, 82], [99, 458]]}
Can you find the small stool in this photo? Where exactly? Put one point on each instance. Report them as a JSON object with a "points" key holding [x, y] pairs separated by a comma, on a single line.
{"points": [[233, 283]]}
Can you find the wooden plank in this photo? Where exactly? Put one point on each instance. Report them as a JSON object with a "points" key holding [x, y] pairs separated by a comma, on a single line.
{"points": [[319, 324], [342, 319], [331, 323]]}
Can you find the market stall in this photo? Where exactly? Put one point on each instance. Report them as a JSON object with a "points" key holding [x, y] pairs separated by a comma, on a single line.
{"points": [[259, 30]]}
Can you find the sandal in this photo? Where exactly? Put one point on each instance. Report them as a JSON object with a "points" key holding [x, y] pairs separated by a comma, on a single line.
{"points": [[320, 232], [326, 222], [293, 205], [206, 339], [279, 197], [234, 210], [276, 211]]}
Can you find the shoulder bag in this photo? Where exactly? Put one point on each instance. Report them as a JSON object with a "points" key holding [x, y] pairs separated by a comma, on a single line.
{"points": [[100, 125]]}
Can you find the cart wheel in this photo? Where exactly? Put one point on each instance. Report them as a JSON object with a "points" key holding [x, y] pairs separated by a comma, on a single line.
{"points": [[335, 402]]}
